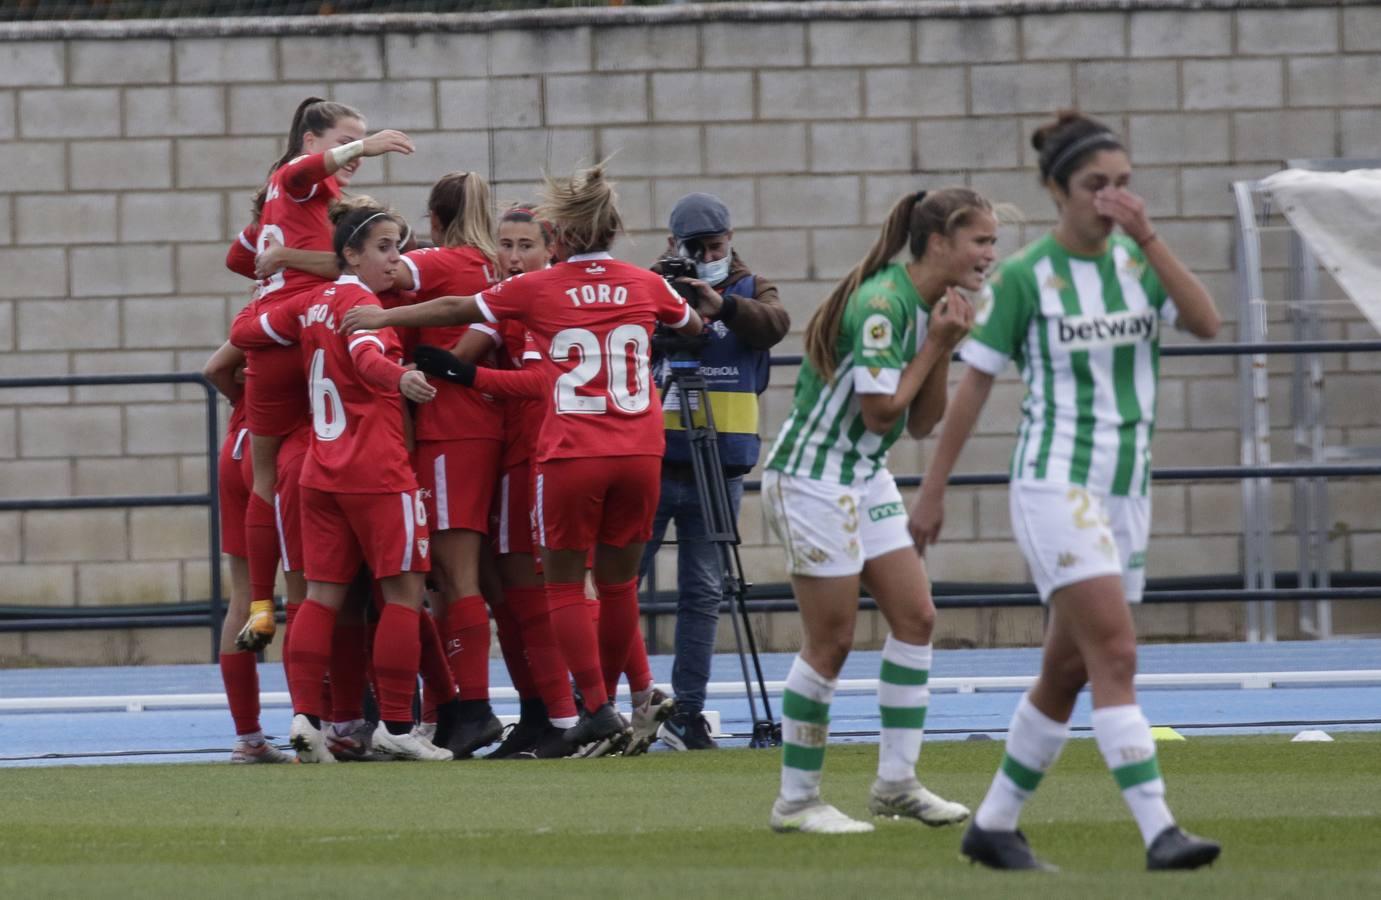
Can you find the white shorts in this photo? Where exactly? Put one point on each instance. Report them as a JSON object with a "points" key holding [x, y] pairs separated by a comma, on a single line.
{"points": [[1070, 534], [830, 530]]}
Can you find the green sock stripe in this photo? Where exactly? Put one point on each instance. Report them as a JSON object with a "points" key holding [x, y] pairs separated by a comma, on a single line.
{"points": [[1022, 777], [803, 709], [1137, 773], [903, 716], [896, 674], [794, 756]]}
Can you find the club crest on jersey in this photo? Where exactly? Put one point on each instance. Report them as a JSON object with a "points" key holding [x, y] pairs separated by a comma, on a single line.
{"points": [[877, 332], [1110, 330]]}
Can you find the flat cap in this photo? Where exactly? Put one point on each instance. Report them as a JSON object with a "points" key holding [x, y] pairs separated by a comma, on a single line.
{"points": [[699, 215]]}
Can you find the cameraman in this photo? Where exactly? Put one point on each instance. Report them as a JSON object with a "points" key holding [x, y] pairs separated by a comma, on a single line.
{"points": [[744, 318]]}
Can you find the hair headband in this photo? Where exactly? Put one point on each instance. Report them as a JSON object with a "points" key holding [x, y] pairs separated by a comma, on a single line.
{"points": [[361, 225], [1073, 151]]}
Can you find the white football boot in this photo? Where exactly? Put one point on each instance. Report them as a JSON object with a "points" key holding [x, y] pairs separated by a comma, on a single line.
{"points": [[910, 800], [814, 817], [309, 741], [407, 746]]}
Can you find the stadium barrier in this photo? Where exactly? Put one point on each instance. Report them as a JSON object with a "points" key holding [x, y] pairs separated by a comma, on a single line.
{"points": [[208, 614], [657, 603]]}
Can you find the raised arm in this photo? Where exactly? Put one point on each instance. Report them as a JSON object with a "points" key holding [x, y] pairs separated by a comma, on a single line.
{"points": [[1195, 310], [949, 323], [433, 313]]}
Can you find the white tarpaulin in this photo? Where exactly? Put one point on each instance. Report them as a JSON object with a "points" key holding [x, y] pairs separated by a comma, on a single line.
{"points": [[1338, 214]]}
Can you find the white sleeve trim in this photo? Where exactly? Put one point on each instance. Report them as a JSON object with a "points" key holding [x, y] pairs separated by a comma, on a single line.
{"points": [[268, 330], [484, 309], [985, 359], [369, 338], [684, 319], [246, 244], [416, 276], [531, 354], [310, 195], [884, 382], [491, 331]]}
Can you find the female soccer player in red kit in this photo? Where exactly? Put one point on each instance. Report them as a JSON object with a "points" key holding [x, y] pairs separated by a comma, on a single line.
{"points": [[325, 145], [459, 443], [239, 668], [600, 449], [528, 641], [359, 494]]}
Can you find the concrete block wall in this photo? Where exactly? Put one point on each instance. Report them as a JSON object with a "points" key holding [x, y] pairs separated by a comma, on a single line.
{"points": [[127, 164]]}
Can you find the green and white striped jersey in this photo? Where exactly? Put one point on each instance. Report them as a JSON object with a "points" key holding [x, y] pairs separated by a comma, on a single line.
{"points": [[824, 438], [1085, 334]]}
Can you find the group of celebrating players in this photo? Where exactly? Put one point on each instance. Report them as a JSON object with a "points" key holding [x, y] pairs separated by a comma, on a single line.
{"points": [[361, 475], [485, 412]]}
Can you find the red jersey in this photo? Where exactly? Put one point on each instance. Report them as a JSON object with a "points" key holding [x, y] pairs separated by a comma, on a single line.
{"points": [[298, 197], [240, 257], [357, 420], [456, 412], [275, 399], [522, 419], [592, 318]]}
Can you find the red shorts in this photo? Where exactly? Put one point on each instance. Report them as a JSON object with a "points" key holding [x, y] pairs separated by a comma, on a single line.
{"points": [[276, 398], [235, 477], [287, 502], [457, 481], [387, 532], [606, 500], [513, 523]]}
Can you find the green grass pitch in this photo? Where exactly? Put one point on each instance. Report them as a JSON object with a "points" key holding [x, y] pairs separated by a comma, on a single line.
{"points": [[1296, 820]]}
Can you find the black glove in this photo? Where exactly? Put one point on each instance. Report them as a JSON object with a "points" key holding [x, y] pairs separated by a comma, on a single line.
{"points": [[438, 362]]}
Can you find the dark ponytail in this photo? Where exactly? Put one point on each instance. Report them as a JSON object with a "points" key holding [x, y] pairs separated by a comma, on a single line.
{"points": [[315, 115], [1068, 142], [912, 221]]}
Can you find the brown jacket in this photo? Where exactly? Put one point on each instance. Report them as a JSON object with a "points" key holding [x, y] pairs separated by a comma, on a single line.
{"points": [[761, 324]]}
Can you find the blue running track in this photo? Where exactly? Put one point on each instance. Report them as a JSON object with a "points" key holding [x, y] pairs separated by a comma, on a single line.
{"points": [[69, 737]]}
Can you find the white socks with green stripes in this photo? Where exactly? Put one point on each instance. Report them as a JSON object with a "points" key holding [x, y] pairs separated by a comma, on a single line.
{"points": [[1034, 741], [1124, 737], [805, 728], [902, 698]]}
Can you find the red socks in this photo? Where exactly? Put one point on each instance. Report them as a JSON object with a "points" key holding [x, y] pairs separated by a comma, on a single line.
{"points": [[544, 660], [438, 684], [240, 674], [261, 546], [514, 651], [311, 658], [618, 630], [349, 661], [290, 612], [638, 669], [575, 633], [467, 645], [397, 649]]}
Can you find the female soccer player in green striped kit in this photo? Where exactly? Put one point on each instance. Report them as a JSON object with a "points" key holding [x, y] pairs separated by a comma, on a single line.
{"points": [[878, 360], [1079, 311]]}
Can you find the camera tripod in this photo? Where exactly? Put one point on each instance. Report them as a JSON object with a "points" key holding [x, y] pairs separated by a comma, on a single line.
{"points": [[721, 530]]}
